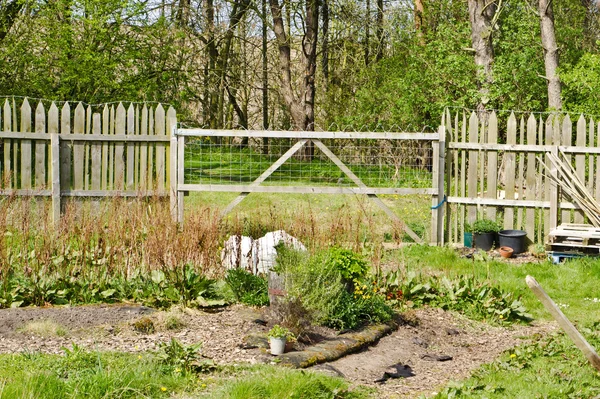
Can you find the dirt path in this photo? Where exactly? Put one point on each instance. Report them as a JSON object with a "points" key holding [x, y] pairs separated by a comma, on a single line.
{"points": [[418, 355], [112, 328]]}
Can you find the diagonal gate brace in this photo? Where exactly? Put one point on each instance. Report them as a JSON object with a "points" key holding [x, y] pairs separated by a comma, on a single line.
{"points": [[360, 184]]}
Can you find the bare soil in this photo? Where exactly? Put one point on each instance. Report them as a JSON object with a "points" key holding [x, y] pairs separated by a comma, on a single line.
{"points": [[409, 353]]}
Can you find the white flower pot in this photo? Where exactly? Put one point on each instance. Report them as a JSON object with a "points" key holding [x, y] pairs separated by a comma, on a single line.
{"points": [[277, 345]]}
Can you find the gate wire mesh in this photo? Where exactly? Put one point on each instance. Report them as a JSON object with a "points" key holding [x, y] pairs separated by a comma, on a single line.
{"points": [[377, 162]]}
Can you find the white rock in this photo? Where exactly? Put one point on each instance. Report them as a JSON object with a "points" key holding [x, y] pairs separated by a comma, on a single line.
{"points": [[237, 252]]}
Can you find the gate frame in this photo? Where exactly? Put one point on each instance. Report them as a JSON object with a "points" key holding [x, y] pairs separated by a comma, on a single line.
{"points": [[179, 188]]}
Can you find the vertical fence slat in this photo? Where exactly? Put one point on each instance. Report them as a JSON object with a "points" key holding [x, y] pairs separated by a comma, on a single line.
{"points": [[55, 167], [15, 149], [96, 152], [492, 173], [78, 148], [580, 160], [26, 146], [105, 126], [566, 139], [531, 187], [40, 147], [171, 124], [509, 162], [144, 151], [455, 137], [520, 176], [481, 161], [66, 147], [130, 148], [151, 179], [463, 169], [111, 151], [53, 128], [472, 173], [159, 119], [7, 178], [554, 191], [548, 140], [88, 147], [120, 121], [136, 154]]}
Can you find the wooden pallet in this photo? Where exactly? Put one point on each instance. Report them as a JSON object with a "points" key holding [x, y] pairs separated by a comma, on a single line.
{"points": [[574, 238]]}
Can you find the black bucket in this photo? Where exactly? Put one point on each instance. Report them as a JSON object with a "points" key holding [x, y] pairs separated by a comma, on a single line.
{"points": [[514, 239], [485, 241]]}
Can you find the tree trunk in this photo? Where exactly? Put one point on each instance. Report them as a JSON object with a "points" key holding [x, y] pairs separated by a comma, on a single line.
{"points": [[367, 32], [8, 15], [419, 15], [481, 16], [379, 55], [265, 79], [325, 45], [301, 103], [211, 48], [550, 54]]}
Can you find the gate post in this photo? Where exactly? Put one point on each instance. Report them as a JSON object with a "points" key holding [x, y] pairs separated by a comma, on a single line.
{"points": [[438, 180]]}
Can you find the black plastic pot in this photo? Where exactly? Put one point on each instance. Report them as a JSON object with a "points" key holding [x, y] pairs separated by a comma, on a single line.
{"points": [[484, 241], [514, 239]]}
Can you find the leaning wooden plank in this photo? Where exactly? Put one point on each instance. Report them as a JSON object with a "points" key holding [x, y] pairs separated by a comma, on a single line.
{"points": [[144, 151], [120, 122], [66, 148], [40, 148], [53, 128], [105, 126], [79, 149], [130, 164], [492, 172], [96, 155], [26, 158], [520, 175], [159, 120], [510, 167], [531, 187], [564, 323], [566, 139], [7, 181], [580, 159], [472, 171]]}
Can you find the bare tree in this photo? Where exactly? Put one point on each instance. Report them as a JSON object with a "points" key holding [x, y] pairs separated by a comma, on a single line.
{"points": [[301, 102], [550, 53], [483, 16]]}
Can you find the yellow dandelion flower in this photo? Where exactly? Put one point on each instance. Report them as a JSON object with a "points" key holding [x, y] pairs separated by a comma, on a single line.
{"points": [[140, 357], [164, 389], [203, 385]]}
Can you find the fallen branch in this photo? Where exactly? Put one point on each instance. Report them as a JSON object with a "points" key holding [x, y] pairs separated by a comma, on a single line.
{"points": [[564, 323]]}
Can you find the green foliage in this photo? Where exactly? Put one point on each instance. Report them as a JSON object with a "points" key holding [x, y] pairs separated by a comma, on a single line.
{"points": [[477, 299], [318, 282], [183, 357], [482, 226], [279, 332], [248, 289], [159, 290], [351, 265]]}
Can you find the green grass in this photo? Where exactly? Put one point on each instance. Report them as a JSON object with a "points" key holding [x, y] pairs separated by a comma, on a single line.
{"points": [[272, 382], [549, 368], [82, 374], [570, 284]]}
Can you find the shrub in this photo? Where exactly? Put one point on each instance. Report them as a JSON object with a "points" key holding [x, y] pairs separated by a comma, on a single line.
{"points": [[482, 226], [319, 282], [248, 289]]}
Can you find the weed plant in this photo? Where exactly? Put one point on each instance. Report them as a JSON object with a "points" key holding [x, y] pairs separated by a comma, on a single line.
{"points": [[248, 289]]}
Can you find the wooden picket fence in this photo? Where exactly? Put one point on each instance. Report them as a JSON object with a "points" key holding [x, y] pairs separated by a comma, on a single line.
{"points": [[501, 176], [81, 153]]}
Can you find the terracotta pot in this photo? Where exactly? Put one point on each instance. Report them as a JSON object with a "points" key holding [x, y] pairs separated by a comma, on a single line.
{"points": [[506, 252]]}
